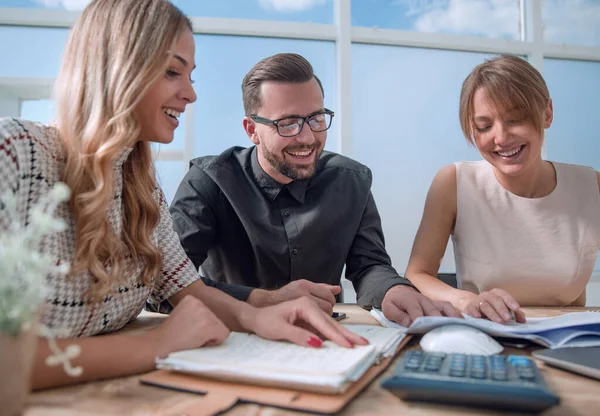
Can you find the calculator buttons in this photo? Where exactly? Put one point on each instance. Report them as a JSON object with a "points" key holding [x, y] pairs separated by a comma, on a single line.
{"points": [[496, 381]]}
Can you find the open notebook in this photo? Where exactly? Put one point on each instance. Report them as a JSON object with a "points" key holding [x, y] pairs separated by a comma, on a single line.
{"points": [[575, 329], [250, 359]]}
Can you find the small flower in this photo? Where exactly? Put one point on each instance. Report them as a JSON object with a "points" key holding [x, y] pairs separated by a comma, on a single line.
{"points": [[23, 287], [24, 268], [59, 357]]}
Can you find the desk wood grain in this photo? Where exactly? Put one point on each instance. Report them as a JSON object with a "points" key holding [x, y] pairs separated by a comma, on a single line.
{"points": [[580, 396]]}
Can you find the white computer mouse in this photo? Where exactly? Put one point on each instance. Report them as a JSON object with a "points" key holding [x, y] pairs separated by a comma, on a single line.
{"points": [[460, 339]]}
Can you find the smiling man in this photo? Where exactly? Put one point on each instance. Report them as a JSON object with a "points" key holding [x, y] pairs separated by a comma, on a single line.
{"points": [[282, 218]]}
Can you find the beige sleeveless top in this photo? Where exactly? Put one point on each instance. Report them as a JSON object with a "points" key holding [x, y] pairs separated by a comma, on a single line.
{"points": [[542, 251]]}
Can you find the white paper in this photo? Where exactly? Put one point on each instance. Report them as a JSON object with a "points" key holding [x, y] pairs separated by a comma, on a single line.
{"points": [[378, 314], [248, 357], [575, 328], [386, 340]]}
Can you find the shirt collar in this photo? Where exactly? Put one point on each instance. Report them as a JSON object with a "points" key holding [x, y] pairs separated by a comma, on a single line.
{"points": [[270, 187], [122, 157]]}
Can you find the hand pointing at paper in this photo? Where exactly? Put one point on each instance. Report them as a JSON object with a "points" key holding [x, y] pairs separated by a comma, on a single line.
{"points": [[300, 321]]}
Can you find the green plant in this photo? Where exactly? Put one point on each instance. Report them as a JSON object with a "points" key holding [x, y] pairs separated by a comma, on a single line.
{"points": [[24, 268]]}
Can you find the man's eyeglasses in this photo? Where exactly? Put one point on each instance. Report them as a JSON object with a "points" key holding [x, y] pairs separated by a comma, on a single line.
{"points": [[292, 126]]}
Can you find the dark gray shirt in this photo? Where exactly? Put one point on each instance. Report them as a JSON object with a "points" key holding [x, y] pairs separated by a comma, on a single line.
{"points": [[244, 228]]}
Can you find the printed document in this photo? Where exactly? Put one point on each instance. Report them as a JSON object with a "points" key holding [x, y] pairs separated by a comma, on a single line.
{"points": [[249, 358], [575, 329]]}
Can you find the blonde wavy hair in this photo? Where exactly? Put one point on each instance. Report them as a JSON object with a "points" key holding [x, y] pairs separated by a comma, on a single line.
{"points": [[509, 82], [116, 51]]}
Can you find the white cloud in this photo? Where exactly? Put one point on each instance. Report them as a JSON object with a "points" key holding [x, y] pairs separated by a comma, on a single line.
{"points": [[574, 22], [420, 6], [489, 18], [66, 4], [287, 6]]}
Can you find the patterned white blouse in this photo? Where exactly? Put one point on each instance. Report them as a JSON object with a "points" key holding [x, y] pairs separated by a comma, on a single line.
{"points": [[31, 161]]}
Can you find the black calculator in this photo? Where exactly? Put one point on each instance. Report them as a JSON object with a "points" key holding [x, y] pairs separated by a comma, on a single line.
{"points": [[511, 382]]}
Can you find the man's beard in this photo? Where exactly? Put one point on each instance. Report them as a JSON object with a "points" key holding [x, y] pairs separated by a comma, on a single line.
{"points": [[290, 170]]}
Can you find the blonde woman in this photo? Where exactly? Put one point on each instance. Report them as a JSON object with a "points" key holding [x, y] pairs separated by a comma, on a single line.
{"points": [[124, 81], [526, 231]]}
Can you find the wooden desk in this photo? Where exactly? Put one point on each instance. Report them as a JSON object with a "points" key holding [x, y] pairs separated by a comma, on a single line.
{"points": [[126, 396]]}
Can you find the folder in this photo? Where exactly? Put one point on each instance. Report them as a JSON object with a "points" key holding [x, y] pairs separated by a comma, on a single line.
{"points": [[225, 394]]}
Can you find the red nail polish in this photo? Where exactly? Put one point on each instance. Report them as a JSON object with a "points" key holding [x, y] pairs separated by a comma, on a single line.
{"points": [[314, 342]]}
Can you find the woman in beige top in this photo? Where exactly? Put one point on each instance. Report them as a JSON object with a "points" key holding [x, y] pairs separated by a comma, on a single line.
{"points": [[123, 83], [525, 231]]}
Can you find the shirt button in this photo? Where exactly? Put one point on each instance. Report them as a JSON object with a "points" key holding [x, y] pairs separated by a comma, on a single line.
{"points": [[295, 251], [286, 213]]}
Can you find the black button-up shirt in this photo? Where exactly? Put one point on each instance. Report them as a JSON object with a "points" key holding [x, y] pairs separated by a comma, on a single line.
{"points": [[244, 228]]}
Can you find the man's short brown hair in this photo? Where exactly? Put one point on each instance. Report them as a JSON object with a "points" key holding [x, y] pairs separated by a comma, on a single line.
{"points": [[283, 67]]}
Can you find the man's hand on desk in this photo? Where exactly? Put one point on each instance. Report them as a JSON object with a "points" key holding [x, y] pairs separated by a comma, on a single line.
{"points": [[299, 321], [403, 304], [190, 325], [320, 293]]}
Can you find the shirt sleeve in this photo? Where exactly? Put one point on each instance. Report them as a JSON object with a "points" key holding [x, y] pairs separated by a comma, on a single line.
{"points": [[177, 269], [194, 220], [237, 291], [9, 171], [368, 266]]}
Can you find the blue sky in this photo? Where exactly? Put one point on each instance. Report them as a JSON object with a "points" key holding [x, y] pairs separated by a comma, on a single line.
{"points": [[566, 21]]}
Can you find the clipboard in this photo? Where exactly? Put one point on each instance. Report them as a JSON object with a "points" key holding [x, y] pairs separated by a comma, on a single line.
{"points": [[219, 396]]}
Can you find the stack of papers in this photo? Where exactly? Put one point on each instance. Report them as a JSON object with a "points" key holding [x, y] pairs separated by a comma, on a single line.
{"points": [[385, 341], [575, 329], [254, 360]]}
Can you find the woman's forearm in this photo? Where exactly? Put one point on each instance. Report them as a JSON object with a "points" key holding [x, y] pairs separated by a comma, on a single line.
{"points": [[435, 289], [237, 315], [100, 357]]}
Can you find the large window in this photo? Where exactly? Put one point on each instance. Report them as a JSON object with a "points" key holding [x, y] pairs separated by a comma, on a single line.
{"points": [[31, 51], [482, 18], [405, 128], [574, 22], [41, 111], [575, 90], [169, 174], [315, 11], [391, 69]]}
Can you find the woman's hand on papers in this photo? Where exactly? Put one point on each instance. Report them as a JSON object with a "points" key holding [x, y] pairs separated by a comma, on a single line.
{"points": [[403, 304], [497, 305], [302, 322], [190, 325]]}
